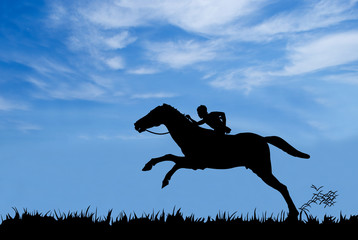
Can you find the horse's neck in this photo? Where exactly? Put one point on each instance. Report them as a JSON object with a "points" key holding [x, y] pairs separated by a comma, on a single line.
{"points": [[180, 129], [177, 125]]}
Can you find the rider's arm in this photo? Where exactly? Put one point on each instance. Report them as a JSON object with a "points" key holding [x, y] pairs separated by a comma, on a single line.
{"points": [[222, 116], [195, 122]]}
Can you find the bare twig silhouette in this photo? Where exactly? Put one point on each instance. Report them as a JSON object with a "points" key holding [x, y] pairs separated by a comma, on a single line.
{"points": [[319, 198]]}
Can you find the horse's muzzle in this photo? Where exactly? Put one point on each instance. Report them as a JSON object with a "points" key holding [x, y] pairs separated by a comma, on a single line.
{"points": [[138, 128]]}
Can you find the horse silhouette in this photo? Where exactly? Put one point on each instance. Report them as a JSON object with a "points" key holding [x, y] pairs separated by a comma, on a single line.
{"points": [[203, 148]]}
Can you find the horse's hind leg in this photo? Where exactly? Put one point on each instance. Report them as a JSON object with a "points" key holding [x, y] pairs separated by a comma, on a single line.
{"points": [[167, 157], [272, 181]]}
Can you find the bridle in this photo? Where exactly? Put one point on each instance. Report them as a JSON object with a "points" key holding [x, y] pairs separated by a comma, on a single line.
{"points": [[156, 132]]}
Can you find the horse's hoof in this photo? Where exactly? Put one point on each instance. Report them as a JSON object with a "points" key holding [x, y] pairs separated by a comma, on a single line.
{"points": [[292, 217], [165, 183], [147, 167]]}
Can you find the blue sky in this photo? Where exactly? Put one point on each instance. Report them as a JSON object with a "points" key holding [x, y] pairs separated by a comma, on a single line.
{"points": [[76, 75]]}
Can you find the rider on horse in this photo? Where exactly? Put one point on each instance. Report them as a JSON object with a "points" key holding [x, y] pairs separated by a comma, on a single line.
{"points": [[215, 120]]}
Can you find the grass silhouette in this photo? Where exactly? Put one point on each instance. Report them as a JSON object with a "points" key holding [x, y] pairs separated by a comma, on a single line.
{"points": [[89, 223], [90, 219]]}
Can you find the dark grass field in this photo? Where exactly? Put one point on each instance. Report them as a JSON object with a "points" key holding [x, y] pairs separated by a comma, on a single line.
{"points": [[173, 224], [86, 222]]}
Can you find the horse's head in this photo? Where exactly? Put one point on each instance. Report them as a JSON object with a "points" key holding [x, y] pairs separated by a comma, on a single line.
{"points": [[153, 119]]}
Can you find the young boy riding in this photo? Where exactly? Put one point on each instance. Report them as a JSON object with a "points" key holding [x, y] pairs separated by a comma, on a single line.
{"points": [[215, 120]]}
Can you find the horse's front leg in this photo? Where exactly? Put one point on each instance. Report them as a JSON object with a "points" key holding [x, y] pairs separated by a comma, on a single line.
{"points": [[170, 174], [167, 157]]}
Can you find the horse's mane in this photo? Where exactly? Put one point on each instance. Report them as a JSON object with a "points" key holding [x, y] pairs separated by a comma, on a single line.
{"points": [[175, 112]]}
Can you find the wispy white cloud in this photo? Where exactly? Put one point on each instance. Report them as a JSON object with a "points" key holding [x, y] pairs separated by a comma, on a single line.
{"points": [[120, 40], [153, 95], [117, 14], [100, 49], [309, 16], [115, 137], [302, 57], [345, 77], [83, 91], [106, 82], [102, 27], [53, 77], [27, 127], [84, 36], [115, 63], [327, 51], [304, 38], [8, 105], [241, 79], [23, 126], [67, 90], [99, 26], [44, 65], [182, 53], [336, 114], [227, 18], [207, 17], [143, 70], [96, 41]]}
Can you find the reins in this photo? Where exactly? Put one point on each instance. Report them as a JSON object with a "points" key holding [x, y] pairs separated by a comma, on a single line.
{"points": [[157, 133]]}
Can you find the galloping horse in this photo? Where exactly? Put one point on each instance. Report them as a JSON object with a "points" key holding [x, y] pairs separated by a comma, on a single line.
{"points": [[203, 148]]}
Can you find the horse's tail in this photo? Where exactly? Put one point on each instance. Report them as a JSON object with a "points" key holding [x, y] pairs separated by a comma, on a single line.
{"points": [[284, 146]]}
